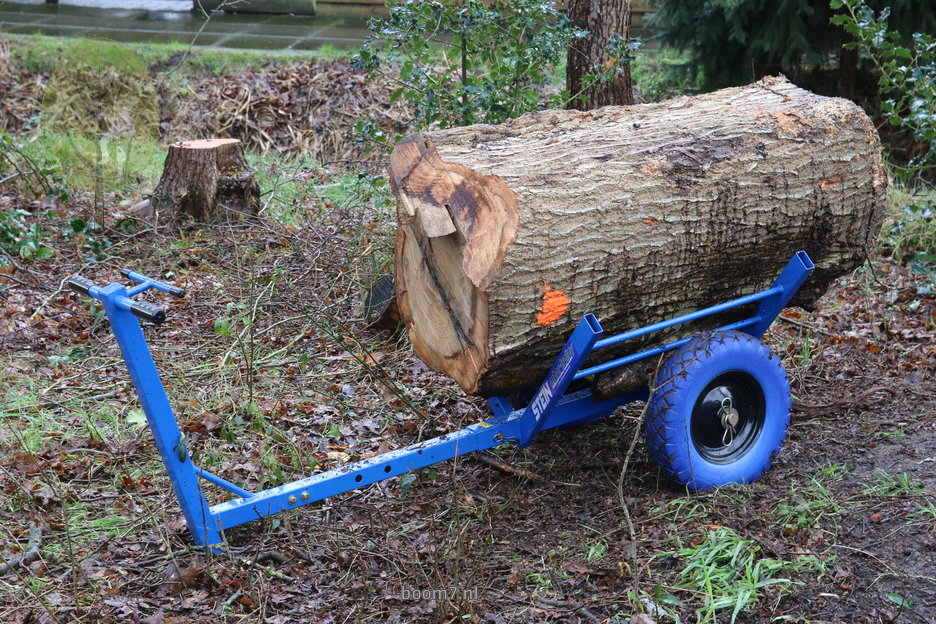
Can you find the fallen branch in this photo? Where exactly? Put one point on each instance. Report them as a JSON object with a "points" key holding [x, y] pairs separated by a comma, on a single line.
{"points": [[575, 607], [30, 554], [234, 598], [496, 462], [268, 569], [861, 399]]}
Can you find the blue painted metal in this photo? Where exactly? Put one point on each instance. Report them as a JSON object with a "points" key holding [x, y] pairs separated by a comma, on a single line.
{"points": [[551, 407], [791, 278], [573, 354], [223, 483], [159, 416]]}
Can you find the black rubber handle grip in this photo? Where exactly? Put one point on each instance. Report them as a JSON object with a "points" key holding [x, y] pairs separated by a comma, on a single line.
{"points": [[80, 284], [175, 291], [148, 311]]}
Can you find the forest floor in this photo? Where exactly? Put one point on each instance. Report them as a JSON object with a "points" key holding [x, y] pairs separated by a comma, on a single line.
{"points": [[274, 375]]}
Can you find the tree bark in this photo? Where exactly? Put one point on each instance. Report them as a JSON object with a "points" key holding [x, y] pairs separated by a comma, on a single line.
{"points": [[207, 180], [602, 19], [509, 234]]}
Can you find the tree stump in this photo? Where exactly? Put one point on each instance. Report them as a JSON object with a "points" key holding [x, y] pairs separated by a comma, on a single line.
{"points": [[509, 234], [207, 180]]}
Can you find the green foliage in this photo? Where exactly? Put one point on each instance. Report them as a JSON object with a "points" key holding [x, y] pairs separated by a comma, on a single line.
{"points": [[24, 164], [735, 41], [19, 237], [907, 79], [459, 63], [665, 74], [730, 572], [909, 232], [89, 233]]}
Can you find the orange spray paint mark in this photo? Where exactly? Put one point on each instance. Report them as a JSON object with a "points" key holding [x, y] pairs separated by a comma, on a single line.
{"points": [[555, 304]]}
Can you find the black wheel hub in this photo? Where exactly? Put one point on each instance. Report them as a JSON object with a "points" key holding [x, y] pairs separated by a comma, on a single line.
{"points": [[728, 417]]}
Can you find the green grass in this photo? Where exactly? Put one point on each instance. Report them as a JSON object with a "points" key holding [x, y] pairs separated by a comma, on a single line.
{"points": [[680, 510], [925, 511], [595, 551], [892, 485], [727, 573], [126, 164], [809, 507], [41, 53], [812, 505]]}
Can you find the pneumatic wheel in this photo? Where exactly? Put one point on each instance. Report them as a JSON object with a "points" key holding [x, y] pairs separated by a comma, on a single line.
{"points": [[719, 411]]}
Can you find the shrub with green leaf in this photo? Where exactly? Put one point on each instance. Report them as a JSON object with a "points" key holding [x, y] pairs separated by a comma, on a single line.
{"points": [[457, 63], [907, 74], [21, 237]]}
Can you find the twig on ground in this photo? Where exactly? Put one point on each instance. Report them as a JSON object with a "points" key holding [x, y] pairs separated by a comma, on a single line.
{"points": [[13, 278], [632, 533], [96, 397], [813, 328], [861, 399], [48, 300], [234, 598], [496, 462], [575, 607], [269, 570]]}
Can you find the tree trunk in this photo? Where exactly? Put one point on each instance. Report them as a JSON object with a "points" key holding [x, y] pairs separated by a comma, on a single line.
{"points": [[509, 234], [207, 180], [603, 19]]}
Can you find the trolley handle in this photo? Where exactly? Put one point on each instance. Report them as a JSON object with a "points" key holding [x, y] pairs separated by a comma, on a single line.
{"points": [[81, 285], [142, 309], [148, 311], [175, 291]]}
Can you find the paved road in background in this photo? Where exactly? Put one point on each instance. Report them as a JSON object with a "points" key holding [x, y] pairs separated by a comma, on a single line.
{"points": [[172, 21]]}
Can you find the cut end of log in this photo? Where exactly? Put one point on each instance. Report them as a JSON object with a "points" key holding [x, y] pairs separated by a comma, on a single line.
{"points": [[455, 226]]}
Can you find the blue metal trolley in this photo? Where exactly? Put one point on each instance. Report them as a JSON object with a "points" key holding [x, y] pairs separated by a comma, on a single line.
{"points": [[718, 413]]}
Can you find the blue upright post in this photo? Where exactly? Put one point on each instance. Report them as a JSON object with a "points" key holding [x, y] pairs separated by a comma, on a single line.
{"points": [[158, 412], [787, 283], [570, 359]]}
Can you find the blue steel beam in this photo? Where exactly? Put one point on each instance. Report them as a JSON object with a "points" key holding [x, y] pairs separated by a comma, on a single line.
{"points": [[570, 359], [572, 409]]}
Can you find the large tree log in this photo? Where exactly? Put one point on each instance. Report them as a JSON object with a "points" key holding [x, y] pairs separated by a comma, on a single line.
{"points": [[509, 234]]}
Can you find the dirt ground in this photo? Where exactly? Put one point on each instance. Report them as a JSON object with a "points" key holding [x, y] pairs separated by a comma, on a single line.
{"points": [[273, 375]]}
